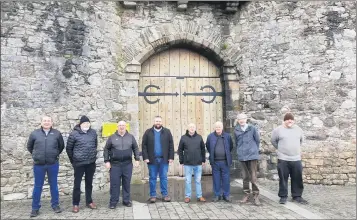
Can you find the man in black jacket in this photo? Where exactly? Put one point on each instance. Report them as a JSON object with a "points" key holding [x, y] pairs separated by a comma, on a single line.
{"points": [[118, 156], [82, 152], [158, 152], [192, 154], [45, 145]]}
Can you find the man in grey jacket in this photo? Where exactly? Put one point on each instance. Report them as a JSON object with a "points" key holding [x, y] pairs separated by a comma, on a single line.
{"points": [[287, 138], [247, 141], [45, 145], [118, 158]]}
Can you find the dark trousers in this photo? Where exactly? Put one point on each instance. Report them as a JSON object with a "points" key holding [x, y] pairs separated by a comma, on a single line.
{"points": [[294, 169], [39, 172], [120, 174], [221, 178], [249, 173], [88, 170]]}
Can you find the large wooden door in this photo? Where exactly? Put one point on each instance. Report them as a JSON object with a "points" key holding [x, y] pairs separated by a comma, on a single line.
{"points": [[182, 87]]}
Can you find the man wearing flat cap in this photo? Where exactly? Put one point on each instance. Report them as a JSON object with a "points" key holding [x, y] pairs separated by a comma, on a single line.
{"points": [[247, 141], [82, 152], [287, 138]]}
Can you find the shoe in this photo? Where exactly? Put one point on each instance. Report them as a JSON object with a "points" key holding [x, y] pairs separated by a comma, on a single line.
{"points": [[227, 199], [245, 198], [215, 199], [128, 204], [75, 209], [282, 200], [256, 200], [167, 199], [92, 205], [112, 206], [57, 209], [300, 200], [187, 200], [152, 199], [34, 213], [201, 199]]}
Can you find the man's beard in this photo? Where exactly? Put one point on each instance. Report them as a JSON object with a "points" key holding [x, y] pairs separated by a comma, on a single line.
{"points": [[158, 126]]}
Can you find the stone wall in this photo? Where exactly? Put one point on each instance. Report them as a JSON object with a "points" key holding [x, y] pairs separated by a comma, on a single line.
{"points": [[68, 59]]}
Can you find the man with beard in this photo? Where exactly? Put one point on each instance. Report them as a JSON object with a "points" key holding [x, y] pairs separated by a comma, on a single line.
{"points": [[82, 153], [158, 152], [118, 156], [287, 138], [45, 145]]}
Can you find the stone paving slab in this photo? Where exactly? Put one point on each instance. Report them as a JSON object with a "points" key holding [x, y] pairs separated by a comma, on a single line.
{"points": [[176, 209], [333, 202]]}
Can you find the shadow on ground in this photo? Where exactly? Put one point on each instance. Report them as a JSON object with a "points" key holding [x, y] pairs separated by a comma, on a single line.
{"points": [[176, 187]]}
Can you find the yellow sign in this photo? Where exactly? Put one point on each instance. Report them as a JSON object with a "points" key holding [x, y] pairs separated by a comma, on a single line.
{"points": [[109, 128]]}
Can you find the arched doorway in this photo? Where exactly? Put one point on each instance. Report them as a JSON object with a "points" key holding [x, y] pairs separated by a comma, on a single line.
{"points": [[182, 87]]}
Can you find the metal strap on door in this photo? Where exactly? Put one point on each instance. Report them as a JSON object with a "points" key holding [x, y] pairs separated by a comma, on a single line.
{"points": [[213, 93]]}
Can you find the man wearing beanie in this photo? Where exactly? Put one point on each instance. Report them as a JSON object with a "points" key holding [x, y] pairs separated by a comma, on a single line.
{"points": [[82, 152], [248, 141], [287, 138]]}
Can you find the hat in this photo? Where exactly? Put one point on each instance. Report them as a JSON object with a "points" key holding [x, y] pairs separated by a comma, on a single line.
{"points": [[242, 116], [84, 119], [288, 116]]}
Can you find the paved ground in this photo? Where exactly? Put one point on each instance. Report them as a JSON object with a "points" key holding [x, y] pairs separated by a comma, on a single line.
{"points": [[176, 209], [333, 202]]}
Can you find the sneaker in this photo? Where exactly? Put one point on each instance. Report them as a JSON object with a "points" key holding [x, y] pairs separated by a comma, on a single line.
{"points": [[128, 204], [282, 200], [167, 199], [245, 198], [152, 199], [227, 199], [187, 200], [300, 200], [75, 209], [201, 199], [34, 213], [112, 206], [57, 209], [215, 199]]}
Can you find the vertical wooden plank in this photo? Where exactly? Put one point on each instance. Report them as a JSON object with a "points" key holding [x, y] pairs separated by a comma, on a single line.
{"points": [[194, 64], [154, 71], [155, 65], [219, 101], [191, 103], [184, 62], [174, 62], [199, 107], [165, 63], [203, 66], [176, 106]]}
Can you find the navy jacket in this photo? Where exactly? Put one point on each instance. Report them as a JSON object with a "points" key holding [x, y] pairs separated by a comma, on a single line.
{"points": [[228, 146], [247, 143]]}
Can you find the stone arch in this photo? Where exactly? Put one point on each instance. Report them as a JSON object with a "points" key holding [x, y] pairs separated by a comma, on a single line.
{"points": [[180, 35]]}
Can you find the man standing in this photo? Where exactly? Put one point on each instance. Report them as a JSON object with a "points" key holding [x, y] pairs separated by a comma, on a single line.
{"points": [[287, 138], [82, 153], [247, 141], [118, 156], [158, 152], [192, 154], [219, 145], [45, 144]]}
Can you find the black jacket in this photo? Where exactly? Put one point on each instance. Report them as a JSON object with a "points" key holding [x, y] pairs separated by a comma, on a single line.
{"points": [[82, 147], [192, 150], [45, 149], [148, 145], [119, 149]]}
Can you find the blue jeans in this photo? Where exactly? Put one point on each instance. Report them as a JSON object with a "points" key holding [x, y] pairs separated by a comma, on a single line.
{"points": [[39, 172], [221, 178], [197, 170], [161, 168]]}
